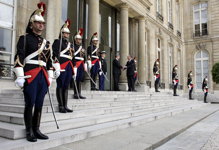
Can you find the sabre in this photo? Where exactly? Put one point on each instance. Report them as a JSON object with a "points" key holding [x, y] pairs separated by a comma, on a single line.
{"points": [[91, 78], [104, 74], [76, 89], [139, 83], [50, 99]]}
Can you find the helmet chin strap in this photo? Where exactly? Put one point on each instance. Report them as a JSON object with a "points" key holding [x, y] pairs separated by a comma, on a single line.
{"points": [[35, 26]]}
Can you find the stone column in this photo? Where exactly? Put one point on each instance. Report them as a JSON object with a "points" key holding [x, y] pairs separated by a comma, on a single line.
{"points": [[141, 50], [93, 18], [93, 26], [124, 45], [53, 24]]}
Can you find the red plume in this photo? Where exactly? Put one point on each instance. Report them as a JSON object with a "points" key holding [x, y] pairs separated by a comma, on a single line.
{"points": [[134, 57], [44, 7], [95, 33], [69, 23], [81, 31], [175, 65], [158, 59], [190, 71]]}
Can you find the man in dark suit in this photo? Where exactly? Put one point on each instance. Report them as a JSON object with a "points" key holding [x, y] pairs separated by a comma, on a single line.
{"points": [[130, 66], [116, 72]]}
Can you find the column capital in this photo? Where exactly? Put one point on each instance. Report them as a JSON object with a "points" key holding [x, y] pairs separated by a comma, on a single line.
{"points": [[141, 18], [123, 6]]}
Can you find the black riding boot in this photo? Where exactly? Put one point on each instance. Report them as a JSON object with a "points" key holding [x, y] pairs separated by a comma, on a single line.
{"points": [[157, 85], [36, 124], [92, 85], [60, 100], [175, 92], [65, 100], [28, 123], [79, 90], [94, 79], [190, 96], [205, 101]]}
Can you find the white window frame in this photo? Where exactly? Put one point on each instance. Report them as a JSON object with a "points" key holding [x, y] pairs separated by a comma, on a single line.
{"points": [[170, 63], [200, 9], [159, 50], [178, 63], [13, 29], [201, 59], [169, 9], [158, 4], [177, 16]]}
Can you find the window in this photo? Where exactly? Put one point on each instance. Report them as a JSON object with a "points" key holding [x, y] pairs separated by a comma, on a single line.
{"points": [[170, 64], [169, 11], [7, 35], [178, 64], [201, 67], [159, 53], [177, 16], [200, 19], [158, 5]]}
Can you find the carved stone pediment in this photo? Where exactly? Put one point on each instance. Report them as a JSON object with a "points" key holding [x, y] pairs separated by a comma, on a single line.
{"points": [[200, 46]]}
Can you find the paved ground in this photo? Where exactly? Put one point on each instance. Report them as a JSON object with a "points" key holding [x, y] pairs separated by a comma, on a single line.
{"points": [[203, 135], [154, 134]]}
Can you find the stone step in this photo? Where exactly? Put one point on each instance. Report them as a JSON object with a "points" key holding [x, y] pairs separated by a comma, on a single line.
{"points": [[196, 126], [20, 101], [46, 117], [73, 135], [17, 131], [46, 108], [17, 91]]}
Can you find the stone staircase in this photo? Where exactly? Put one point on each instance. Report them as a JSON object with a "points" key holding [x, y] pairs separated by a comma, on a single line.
{"points": [[102, 112]]}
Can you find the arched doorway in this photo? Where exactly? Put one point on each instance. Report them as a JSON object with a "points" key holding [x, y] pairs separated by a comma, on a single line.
{"points": [[201, 67]]}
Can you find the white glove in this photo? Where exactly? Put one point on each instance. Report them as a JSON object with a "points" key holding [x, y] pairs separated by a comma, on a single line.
{"points": [[50, 81], [204, 91], [174, 82], [20, 82], [106, 74], [57, 74], [100, 64], [89, 64], [155, 77], [75, 70], [85, 66], [189, 86], [100, 73], [74, 77]]}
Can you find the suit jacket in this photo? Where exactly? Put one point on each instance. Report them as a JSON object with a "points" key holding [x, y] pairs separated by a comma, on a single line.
{"points": [[130, 68], [116, 67]]}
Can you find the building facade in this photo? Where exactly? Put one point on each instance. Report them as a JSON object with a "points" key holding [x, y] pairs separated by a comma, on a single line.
{"points": [[178, 32]]}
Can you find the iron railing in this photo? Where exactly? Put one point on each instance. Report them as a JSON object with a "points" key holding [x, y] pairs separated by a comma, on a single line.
{"points": [[178, 33], [6, 70], [159, 16], [170, 25]]}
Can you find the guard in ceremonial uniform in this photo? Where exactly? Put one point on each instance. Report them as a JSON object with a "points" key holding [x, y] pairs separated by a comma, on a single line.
{"points": [[35, 75], [156, 75], [103, 71], [205, 88], [80, 61], [175, 80], [190, 85], [136, 73], [93, 54], [63, 57]]}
